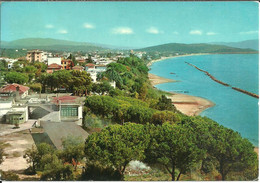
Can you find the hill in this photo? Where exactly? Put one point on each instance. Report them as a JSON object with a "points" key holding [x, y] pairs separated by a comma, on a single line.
{"points": [[50, 44], [194, 48], [251, 44]]}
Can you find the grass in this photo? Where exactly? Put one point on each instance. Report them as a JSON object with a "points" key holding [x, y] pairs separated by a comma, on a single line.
{"points": [[16, 154]]}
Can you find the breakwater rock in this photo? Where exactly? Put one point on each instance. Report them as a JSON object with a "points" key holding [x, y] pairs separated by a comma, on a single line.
{"points": [[225, 84]]}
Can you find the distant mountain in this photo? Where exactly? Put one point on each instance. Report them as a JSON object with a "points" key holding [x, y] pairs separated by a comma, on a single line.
{"points": [[194, 48], [252, 44], [50, 44]]}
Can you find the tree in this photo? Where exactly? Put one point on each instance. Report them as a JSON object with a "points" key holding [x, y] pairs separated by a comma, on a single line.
{"points": [[54, 170], [139, 114], [35, 154], [165, 104], [16, 77], [227, 148], [160, 117], [31, 156], [101, 105], [232, 152], [79, 79], [172, 146], [116, 145], [73, 150]]}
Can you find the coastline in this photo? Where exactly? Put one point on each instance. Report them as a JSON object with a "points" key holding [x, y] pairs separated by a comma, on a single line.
{"points": [[187, 104], [187, 55]]}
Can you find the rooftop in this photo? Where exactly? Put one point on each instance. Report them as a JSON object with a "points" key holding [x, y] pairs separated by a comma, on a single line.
{"points": [[12, 88], [54, 66]]}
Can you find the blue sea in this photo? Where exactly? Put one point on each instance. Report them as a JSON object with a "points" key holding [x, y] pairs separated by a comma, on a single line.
{"points": [[233, 109]]}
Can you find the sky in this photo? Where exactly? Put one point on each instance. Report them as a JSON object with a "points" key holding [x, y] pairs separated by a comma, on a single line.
{"points": [[131, 24]]}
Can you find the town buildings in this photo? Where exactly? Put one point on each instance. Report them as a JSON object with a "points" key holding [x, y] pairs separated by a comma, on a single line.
{"points": [[21, 90], [67, 64], [54, 60], [34, 55], [53, 67]]}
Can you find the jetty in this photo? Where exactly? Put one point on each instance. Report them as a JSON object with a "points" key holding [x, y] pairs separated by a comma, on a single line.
{"points": [[225, 84]]}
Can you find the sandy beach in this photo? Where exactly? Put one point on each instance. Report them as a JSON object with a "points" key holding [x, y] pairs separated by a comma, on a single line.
{"points": [[164, 58], [187, 104]]}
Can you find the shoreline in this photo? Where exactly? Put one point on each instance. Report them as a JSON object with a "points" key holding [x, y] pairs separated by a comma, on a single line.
{"points": [[176, 56], [187, 104]]}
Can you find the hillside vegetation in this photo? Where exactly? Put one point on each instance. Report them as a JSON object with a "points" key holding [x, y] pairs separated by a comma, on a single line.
{"points": [[50, 44], [194, 48]]}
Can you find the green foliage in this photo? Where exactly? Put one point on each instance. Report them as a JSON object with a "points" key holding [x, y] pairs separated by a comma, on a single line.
{"points": [[232, 152], [161, 117], [12, 53], [165, 104], [139, 114], [3, 65], [194, 48], [34, 156], [116, 145], [9, 176], [101, 105], [16, 77], [229, 151], [73, 150], [95, 172], [36, 87], [54, 170], [173, 147], [73, 81], [101, 88], [1, 153]]}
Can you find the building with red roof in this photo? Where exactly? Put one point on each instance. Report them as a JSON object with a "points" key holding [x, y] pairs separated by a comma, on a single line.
{"points": [[53, 67], [23, 90], [78, 68], [67, 64], [70, 107]]}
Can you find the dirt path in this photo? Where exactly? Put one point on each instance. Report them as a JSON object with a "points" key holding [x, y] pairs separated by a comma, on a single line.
{"points": [[15, 145]]}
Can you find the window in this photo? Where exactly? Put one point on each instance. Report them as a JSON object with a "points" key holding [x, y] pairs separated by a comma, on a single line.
{"points": [[69, 111]]}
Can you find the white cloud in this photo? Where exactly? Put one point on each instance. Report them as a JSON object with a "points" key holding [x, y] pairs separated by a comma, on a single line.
{"points": [[62, 31], [211, 33], [196, 32], [175, 32], [89, 26], [49, 26], [122, 30], [249, 32], [154, 30]]}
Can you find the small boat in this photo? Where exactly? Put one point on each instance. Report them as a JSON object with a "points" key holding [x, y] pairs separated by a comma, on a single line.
{"points": [[172, 73]]}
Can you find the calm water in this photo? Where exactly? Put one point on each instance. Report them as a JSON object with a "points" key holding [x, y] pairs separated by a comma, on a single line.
{"points": [[233, 109]]}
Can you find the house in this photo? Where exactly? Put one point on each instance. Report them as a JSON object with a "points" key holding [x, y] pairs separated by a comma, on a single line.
{"points": [[22, 90], [17, 115], [34, 55], [82, 61], [78, 68], [70, 107], [67, 64], [5, 106], [53, 67], [100, 68], [54, 60], [89, 66]]}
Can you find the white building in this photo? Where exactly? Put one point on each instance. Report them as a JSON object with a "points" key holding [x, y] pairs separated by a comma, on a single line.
{"points": [[55, 60], [5, 106]]}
